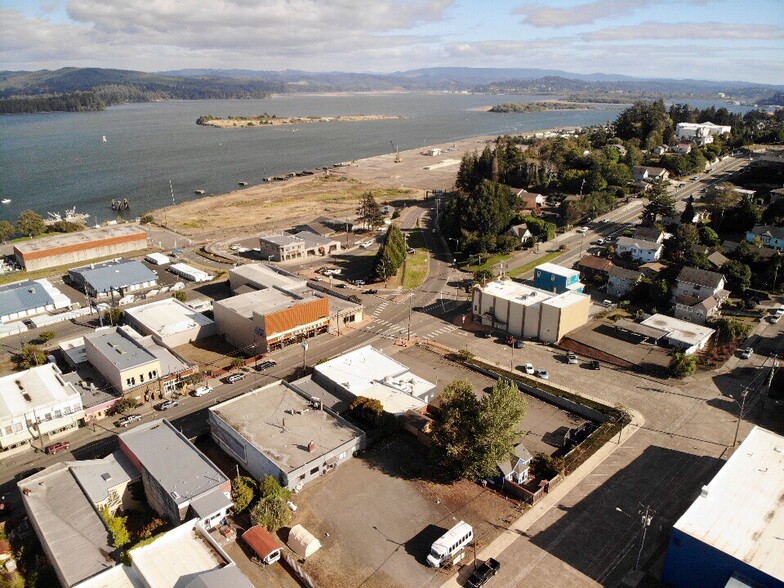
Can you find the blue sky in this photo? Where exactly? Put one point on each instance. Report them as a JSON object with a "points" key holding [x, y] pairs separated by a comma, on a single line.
{"points": [[702, 39]]}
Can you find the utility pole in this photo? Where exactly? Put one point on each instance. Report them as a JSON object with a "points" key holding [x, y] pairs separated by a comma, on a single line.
{"points": [[408, 334], [646, 522], [740, 416]]}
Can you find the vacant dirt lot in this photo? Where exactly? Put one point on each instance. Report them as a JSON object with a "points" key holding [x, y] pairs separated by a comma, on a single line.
{"points": [[378, 514]]}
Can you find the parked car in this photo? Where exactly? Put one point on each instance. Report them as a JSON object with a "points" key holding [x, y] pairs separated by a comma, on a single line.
{"points": [[202, 391], [57, 447], [128, 419], [410, 251], [265, 365], [486, 335], [582, 230], [359, 282], [167, 404], [594, 365], [543, 374], [600, 241], [370, 291], [774, 318], [571, 358], [519, 343], [529, 369], [235, 378], [483, 573], [747, 352]]}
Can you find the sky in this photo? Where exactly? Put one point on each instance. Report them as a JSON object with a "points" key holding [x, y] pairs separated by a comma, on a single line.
{"points": [[725, 40]]}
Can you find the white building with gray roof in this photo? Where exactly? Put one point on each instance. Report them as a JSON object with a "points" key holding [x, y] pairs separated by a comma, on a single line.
{"points": [[27, 298], [119, 277], [180, 482], [171, 321], [36, 404], [278, 431]]}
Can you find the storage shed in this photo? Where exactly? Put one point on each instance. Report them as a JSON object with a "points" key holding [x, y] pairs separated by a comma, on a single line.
{"points": [[264, 543], [157, 258], [302, 542]]}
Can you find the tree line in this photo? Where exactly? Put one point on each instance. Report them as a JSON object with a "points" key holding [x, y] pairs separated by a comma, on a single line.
{"points": [[31, 224]]}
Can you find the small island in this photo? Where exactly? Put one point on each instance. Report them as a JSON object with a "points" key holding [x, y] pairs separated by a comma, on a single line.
{"points": [[537, 106], [270, 119]]}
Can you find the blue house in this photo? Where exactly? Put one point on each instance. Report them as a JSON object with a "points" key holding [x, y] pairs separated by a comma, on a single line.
{"points": [[769, 235], [558, 279]]}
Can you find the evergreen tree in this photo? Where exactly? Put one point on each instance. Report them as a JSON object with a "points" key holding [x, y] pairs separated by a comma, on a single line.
{"points": [[30, 223]]}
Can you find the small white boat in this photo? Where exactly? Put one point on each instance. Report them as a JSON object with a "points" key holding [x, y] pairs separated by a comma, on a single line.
{"points": [[6, 200], [199, 191], [103, 138]]}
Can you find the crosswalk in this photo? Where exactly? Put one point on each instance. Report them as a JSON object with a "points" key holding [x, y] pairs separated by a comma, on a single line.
{"points": [[387, 330], [445, 330], [440, 306], [379, 309]]}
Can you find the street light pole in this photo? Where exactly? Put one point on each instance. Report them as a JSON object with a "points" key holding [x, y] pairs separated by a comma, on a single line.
{"points": [[646, 522], [408, 334]]}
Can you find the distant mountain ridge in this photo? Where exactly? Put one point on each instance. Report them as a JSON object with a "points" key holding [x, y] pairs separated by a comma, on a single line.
{"points": [[75, 89]]}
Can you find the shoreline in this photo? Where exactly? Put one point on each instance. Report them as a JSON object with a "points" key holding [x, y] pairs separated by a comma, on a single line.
{"points": [[238, 122]]}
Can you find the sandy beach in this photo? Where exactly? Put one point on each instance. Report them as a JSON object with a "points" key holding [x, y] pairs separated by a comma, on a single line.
{"points": [[266, 121]]}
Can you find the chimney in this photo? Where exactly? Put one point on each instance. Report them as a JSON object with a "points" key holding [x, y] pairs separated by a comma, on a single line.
{"points": [[311, 447]]}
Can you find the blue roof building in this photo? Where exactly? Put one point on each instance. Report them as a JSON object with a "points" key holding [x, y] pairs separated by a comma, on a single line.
{"points": [[29, 298], [123, 276]]}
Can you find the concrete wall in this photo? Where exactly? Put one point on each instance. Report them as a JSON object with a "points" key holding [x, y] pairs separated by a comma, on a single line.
{"points": [[574, 316], [82, 255], [237, 329]]}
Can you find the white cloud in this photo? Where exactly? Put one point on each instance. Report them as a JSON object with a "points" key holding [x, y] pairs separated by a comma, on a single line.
{"points": [[687, 31], [540, 15]]}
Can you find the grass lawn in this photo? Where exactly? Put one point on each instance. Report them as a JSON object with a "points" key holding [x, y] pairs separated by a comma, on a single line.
{"points": [[518, 271], [487, 263], [415, 269]]}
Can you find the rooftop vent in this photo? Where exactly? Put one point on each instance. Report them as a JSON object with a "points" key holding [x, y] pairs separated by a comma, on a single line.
{"points": [[311, 447], [704, 492], [106, 476], [174, 494]]}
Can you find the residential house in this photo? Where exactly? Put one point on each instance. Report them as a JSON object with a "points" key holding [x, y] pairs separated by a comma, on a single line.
{"points": [[700, 133], [776, 195], [770, 235], [531, 201], [682, 148], [557, 279], [649, 174], [648, 234], [593, 267], [651, 270], [659, 150], [698, 294], [639, 249], [520, 232], [717, 259], [517, 468], [621, 280]]}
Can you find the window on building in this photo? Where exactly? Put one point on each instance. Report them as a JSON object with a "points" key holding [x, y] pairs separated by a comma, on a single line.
{"points": [[141, 377], [314, 471], [9, 430], [18, 427], [342, 455], [127, 381], [66, 410], [152, 375], [58, 414]]}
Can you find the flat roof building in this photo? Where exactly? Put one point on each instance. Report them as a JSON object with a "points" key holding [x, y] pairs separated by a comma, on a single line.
{"points": [[71, 248], [179, 480], [527, 312], [123, 276], [298, 246], [27, 298], [371, 373], [557, 279], [683, 335], [734, 528], [171, 321], [36, 403], [261, 276], [280, 432]]}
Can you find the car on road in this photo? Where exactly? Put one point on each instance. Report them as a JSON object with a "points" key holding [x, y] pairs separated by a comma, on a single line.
{"points": [[128, 419], [359, 282], [235, 378], [265, 365], [544, 374], [519, 343], [571, 358], [486, 335], [594, 365], [57, 447], [529, 369], [746, 352], [370, 291], [774, 318], [600, 241], [202, 391], [167, 404], [582, 230], [483, 573]]}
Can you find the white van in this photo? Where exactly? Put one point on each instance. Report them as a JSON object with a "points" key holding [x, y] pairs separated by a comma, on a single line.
{"points": [[450, 544]]}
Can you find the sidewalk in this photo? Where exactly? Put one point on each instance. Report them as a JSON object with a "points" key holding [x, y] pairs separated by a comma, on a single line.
{"points": [[519, 528]]}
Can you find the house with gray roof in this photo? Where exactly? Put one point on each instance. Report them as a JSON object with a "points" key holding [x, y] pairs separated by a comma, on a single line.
{"points": [[639, 249], [770, 235], [180, 482], [621, 280], [517, 468], [20, 300], [698, 294], [119, 277]]}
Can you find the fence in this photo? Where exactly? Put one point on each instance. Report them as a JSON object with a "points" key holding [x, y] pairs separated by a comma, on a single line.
{"points": [[298, 570]]}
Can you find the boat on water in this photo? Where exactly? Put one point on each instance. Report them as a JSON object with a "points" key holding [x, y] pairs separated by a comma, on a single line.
{"points": [[70, 216], [199, 191], [6, 200], [120, 205], [103, 138], [243, 183]]}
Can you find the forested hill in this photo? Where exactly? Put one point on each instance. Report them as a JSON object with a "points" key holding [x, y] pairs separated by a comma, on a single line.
{"points": [[83, 89]]}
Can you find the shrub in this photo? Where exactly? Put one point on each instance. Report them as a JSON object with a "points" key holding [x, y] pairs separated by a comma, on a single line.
{"points": [[31, 356], [125, 404], [180, 295], [243, 492], [682, 365], [46, 336], [237, 362]]}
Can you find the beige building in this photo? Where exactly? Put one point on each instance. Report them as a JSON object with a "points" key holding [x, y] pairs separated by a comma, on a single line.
{"points": [[527, 312]]}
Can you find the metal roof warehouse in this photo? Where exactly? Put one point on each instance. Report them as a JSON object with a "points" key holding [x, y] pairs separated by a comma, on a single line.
{"points": [[122, 276]]}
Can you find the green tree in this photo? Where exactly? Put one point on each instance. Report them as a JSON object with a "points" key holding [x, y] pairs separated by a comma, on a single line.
{"points": [[472, 436], [243, 492], [113, 316], [738, 275], [660, 205], [125, 404], [369, 211], [180, 295], [46, 336], [367, 411], [742, 216], [116, 525], [682, 365], [272, 510], [7, 230], [679, 247], [30, 223], [722, 198], [483, 275], [708, 236], [30, 356], [730, 329]]}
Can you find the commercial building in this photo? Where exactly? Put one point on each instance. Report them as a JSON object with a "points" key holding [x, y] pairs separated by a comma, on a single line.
{"points": [[189, 272], [77, 247], [297, 246], [733, 530], [27, 298], [557, 279], [170, 321], [260, 276], [278, 431], [180, 482], [36, 404], [264, 320], [682, 335], [700, 133], [133, 364], [110, 278], [371, 373], [527, 312]]}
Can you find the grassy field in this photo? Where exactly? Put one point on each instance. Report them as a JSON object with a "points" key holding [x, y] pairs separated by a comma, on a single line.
{"points": [[415, 269], [518, 271], [487, 263]]}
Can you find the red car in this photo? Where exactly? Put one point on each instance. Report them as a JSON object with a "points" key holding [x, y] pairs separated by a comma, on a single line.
{"points": [[57, 447]]}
